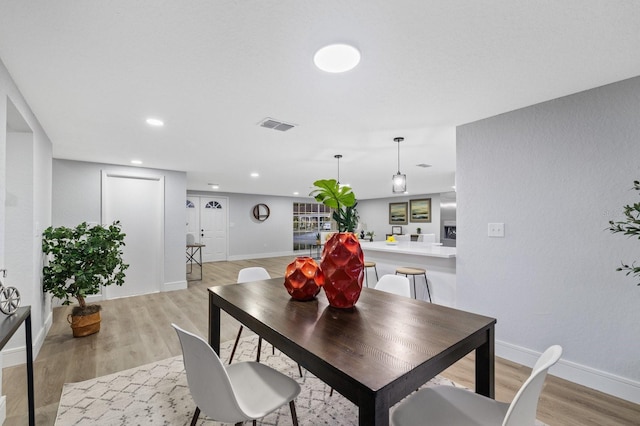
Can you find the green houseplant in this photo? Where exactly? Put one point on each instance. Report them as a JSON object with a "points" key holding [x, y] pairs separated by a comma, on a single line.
{"points": [[81, 260], [630, 227], [342, 257]]}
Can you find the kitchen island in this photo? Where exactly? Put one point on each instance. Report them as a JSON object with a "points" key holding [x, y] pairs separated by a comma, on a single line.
{"points": [[439, 261]]}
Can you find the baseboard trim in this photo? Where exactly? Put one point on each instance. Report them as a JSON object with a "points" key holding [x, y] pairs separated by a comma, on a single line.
{"points": [[620, 387], [18, 356], [259, 256], [176, 285]]}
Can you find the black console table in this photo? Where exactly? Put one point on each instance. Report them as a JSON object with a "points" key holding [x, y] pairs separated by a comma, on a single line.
{"points": [[8, 326]]}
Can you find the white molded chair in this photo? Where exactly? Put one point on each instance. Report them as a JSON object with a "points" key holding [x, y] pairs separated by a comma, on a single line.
{"points": [[396, 284], [448, 405], [242, 391], [246, 275]]}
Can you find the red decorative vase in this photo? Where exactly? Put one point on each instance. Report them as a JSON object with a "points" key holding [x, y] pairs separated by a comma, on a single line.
{"points": [[343, 265], [303, 278]]}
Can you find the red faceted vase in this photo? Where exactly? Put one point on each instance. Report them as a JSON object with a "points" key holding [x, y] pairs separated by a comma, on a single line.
{"points": [[303, 278], [343, 265]]}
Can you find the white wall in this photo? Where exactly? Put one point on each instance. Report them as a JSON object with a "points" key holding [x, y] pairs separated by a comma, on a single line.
{"points": [[555, 174], [375, 214], [37, 201], [77, 198]]}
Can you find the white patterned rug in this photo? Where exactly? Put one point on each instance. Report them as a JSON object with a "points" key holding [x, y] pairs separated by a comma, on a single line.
{"points": [[157, 394]]}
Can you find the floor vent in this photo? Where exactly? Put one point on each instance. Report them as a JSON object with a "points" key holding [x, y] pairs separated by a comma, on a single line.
{"points": [[270, 123]]}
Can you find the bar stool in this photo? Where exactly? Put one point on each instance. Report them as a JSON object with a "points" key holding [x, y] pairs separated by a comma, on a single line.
{"points": [[406, 271], [366, 275]]}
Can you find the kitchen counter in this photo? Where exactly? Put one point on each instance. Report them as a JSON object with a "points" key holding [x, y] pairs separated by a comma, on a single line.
{"points": [[411, 248], [439, 261]]}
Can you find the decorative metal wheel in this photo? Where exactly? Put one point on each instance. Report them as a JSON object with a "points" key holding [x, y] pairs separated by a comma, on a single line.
{"points": [[9, 299]]}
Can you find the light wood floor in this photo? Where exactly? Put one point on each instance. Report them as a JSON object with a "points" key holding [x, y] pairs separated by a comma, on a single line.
{"points": [[136, 331]]}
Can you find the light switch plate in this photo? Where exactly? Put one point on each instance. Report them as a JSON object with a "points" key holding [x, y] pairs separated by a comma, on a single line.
{"points": [[496, 230]]}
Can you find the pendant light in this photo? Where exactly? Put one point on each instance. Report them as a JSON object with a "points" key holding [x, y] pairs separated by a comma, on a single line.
{"points": [[338, 157], [399, 181]]}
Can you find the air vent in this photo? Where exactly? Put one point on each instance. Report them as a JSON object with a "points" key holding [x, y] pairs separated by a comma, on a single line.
{"points": [[270, 123], [423, 165]]}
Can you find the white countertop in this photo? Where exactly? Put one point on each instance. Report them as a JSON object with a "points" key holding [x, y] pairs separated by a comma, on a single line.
{"points": [[411, 247]]}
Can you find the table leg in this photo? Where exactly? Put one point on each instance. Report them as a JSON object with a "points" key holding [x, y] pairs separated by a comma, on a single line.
{"points": [[372, 411], [214, 325], [485, 366], [30, 396]]}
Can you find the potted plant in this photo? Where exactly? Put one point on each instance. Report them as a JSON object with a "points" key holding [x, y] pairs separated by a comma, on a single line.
{"points": [[81, 260], [370, 234], [631, 227], [342, 258]]}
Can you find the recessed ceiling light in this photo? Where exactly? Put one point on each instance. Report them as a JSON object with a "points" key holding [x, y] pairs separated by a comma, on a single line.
{"points": [[337, 58], [155, 122], [296, 193], [136, 162], [214, 186], [254, 174]]}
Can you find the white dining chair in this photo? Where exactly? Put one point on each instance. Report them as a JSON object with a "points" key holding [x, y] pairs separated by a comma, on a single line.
{"points": [[255, 273], [449, 405], [236, 393], [396, 284]]}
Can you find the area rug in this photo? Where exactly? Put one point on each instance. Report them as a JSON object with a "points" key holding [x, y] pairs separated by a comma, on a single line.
{"points": [[158, 394]]}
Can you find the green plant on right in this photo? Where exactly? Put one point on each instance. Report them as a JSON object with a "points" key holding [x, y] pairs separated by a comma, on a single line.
{"points": [[630, 227]]}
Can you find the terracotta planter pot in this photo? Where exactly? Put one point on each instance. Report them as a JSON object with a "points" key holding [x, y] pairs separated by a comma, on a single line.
{"points": [[343, 268], [84, 325], [303, 278]]}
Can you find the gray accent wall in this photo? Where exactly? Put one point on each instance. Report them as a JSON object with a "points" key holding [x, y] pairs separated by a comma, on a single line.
{"points": [[555, 174]]}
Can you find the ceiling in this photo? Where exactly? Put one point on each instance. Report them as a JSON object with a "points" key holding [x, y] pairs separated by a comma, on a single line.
{"points": [[93, 71]]}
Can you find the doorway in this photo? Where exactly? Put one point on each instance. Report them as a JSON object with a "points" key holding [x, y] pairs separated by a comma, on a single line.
{"points": [[138, 203], [207, 224]]}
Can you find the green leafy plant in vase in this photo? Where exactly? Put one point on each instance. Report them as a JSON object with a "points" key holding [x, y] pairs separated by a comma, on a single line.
{"points": [[630, 227], [81, 260], [342, 258]]}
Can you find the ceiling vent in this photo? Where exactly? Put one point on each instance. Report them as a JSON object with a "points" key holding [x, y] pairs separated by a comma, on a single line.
{"points": [[423, 165], [271, 123]]}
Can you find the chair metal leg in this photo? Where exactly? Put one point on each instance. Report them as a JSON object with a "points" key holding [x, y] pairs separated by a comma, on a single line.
{"points": [[194, 420], [255, 422], [415, 295], [259, 349], [294, 416], [375, 268], [235, 345], [426, 283], [300, 370]]}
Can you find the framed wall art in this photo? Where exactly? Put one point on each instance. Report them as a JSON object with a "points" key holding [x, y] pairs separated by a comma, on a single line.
{"points": [[398, 214], [420, 210]]}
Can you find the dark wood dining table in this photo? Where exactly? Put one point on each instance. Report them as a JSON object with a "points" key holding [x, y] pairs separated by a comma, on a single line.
{"points": [[374, 354]]}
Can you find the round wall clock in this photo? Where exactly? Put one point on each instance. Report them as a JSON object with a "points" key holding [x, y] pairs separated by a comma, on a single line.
{"points": [[261, 212]]}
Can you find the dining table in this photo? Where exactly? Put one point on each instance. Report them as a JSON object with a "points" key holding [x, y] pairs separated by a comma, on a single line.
{"points": [[374, 354]]}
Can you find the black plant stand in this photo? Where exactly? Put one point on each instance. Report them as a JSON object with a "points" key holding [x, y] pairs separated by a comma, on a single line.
{"points": [[8, 326]]}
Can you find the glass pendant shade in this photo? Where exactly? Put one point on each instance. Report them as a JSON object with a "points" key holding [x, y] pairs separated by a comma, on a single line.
{"points": [[399, 180], [399, 185]]}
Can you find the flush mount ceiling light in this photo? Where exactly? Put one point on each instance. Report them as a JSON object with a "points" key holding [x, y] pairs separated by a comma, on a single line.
{"points": [[399, 180], [155, 122], [214, 185], [255, 175], [137, 162], [337, 58]]}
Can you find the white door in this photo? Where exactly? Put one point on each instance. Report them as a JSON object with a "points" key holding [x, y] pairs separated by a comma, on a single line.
{"points": [[138, 203], [193, 218], [213, 228]]}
